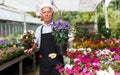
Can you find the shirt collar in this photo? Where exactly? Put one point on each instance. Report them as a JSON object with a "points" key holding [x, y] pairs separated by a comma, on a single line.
{"points": [[49, 24]]}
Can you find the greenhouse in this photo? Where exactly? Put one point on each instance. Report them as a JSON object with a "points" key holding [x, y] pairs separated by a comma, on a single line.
{"points": [[85, 34], [13, 21]]}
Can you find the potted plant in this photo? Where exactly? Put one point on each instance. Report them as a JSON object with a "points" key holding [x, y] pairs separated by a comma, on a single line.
{"points": [[60, 33], [28, 39]]}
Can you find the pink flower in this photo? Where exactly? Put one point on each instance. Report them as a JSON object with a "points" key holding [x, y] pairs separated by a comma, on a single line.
{"points": [[117, 73], [96, 63], [61, 70], [87, 65], [84, 69], [59, 66], [77, 62], [102, 55], [68, 71], [76, 74], [76, 69], [89, 73], [81, 73]]}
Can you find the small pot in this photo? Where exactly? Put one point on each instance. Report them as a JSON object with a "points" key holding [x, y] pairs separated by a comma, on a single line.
{"points": [[61, 49], [27, 46]]}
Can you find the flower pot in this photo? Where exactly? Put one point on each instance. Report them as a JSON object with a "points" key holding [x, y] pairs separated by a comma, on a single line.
{"points": [[61, 49], [27, 46]]}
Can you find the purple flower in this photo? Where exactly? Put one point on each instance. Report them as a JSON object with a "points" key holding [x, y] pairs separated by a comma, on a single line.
{"points": [[116, 57], [102, 55], [1, 42], [60, 24], [107, 62]]}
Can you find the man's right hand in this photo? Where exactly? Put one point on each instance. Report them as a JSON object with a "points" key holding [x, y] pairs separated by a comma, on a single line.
{"points": [[28, 51]]}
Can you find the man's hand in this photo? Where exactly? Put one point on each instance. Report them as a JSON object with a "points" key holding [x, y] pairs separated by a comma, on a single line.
{"points": [[28, 51], [52, 55]]}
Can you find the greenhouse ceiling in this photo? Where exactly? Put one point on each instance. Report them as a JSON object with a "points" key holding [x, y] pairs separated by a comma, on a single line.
{"points": [[7, 13], [63, 5]]}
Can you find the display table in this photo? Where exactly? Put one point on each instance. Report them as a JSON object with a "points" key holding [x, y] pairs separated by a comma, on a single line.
{"points": [[19, 60]]}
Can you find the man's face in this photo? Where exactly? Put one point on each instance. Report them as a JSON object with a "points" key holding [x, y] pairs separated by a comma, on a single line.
{"points": [[47, 14]]}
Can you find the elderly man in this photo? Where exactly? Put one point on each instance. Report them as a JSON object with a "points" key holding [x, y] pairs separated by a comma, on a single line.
{"points": [[45, 42]]}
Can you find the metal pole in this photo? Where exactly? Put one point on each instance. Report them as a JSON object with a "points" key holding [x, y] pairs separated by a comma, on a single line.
{"points": [[96, 25], [106, 14], [20, 68], [25, 24]]}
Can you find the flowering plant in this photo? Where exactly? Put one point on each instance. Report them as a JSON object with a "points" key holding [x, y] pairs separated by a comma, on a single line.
{"points": [[27, 39], [7, 54], [93, 57], [60, 31], [88, 62]]}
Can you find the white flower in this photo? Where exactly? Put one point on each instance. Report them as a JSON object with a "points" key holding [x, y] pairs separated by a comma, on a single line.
{"points": [[72, 50], [106, 51], [110, 71], [31, 31], [102, 72], [66, 60], [27, 37], [89, 49], [68, 66], [80, 49]]}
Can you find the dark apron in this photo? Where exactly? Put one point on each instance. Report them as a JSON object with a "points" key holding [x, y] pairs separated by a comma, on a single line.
{"points": [[48, 65]]}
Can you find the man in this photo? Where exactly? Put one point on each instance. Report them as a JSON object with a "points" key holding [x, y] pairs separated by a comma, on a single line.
{"points": [[48, 56]]}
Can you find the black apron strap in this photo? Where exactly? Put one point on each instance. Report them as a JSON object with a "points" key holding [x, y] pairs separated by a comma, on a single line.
{"points": [[41, 30], [41, 35]]}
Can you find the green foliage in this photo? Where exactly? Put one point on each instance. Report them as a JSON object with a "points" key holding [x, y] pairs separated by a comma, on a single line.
{"points": [[81, 32], [11, 38], [62, 37], [101, 22], [73, 17], [3, 46], [32, 14], [106, 32], [113, 19], [116, 30]]}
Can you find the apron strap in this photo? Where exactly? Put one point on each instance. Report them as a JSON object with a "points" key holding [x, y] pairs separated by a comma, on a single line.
{"points": [[41, 33], [41, 30]]}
